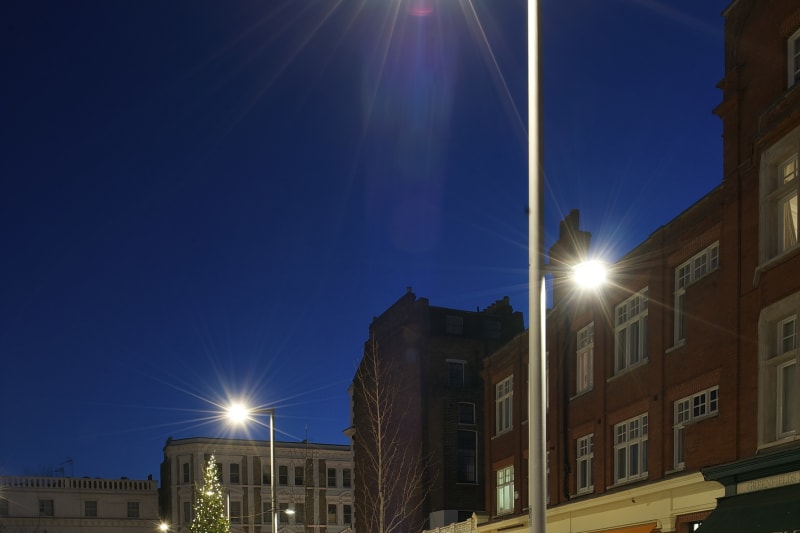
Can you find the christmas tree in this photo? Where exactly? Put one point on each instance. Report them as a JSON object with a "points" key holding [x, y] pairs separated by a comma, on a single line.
{"points": [[209, 507]]}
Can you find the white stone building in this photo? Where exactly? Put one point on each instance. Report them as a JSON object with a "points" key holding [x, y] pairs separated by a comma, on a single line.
{"points": [[31, 504], [313, 480]]}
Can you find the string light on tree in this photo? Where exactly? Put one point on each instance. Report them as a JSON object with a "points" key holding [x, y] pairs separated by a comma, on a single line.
{"points": [[209, 507]]}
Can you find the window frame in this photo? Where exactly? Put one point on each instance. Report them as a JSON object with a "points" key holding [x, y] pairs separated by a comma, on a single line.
{"points": [[329, 478], [235, 511], [283, 475], [347, 478], [90, 508], [779, 354], [466, 457], [456, 373], [584, 462], [630, 435], [47, 507], [335, 515], [134, 510], [504, 493], [504, 405], [697, 267], [234, 474], [686, 411], [299, 480], [630, 316], [467, 408], [774, 190], [793, 59], [584, 359]]}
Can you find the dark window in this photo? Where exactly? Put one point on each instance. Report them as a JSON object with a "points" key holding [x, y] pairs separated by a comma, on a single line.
{"points": [[331, 514], [347, 515], [298, 475], [186, 473], [466, 413], [347, 479], [234, 470], [455, 373], [467, 456], [133, 509], [331, 477], [236, 512], [46, 508], [299, 513], [90, 508], [283, 475]]}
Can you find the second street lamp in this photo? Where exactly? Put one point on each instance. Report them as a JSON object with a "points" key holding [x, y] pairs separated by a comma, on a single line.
{"points": [[239, 413]]}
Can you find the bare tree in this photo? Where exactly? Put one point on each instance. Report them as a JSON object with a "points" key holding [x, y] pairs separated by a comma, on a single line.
{"points": [[390, 468]]}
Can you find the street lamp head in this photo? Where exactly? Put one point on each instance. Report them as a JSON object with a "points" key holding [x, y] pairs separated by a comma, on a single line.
{"points": [[238, 413], [163, 526], [589, 274]]}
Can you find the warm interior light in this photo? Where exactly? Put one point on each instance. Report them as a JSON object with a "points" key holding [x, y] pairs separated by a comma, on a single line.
{"points": [[238, 413], [589, 274]]}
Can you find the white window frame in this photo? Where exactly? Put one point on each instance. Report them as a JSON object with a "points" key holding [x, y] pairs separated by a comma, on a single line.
{"points": [[793, 56], [690, 271], [630, 449], [505, 490], [688, 410], [630, 332], [779, 382], [584, 359], [504, 405], [584, 480], [779, 190]]}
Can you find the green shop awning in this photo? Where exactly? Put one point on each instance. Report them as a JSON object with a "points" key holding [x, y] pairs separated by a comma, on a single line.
{"points": [[765, 511]]}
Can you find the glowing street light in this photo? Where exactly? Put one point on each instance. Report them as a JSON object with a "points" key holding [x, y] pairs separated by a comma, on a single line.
{"points": [[239, 413], [163, 526]]}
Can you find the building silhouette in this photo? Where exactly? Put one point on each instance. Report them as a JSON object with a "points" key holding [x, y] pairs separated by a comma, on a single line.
{"points": [[435, 355]]}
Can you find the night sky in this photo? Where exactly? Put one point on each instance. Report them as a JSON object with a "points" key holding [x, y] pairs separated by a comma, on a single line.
{"points": [[208, 201]]}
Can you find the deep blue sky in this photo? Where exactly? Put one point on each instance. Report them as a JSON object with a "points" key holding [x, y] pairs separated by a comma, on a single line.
{"points": [[203, 200]]}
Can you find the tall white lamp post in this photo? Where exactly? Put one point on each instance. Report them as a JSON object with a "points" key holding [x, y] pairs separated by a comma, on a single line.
{"points": [[537, 479], [240, 413]]}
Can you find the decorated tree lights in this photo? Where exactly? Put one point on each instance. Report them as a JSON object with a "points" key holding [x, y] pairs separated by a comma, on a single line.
{"points": [[210, 515]]}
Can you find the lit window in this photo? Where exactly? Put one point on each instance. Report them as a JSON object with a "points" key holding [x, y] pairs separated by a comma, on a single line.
{"points": [[688, 272], [331, 514], [631, 331], [505, 490], [630, 449], [585, 460], [779, 352], [779, 185], [504, 395], [585, 359]]}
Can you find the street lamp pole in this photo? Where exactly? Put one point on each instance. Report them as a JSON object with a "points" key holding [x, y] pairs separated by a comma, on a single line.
{"points": [[239, 413], [272, 490], [537, 467]]}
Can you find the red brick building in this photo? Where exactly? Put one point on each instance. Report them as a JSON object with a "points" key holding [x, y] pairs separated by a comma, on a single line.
{"points": [[433, 356], [677, 384]]}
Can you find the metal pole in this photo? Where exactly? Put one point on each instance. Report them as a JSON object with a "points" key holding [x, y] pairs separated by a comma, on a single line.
{"points": [[537, 477], [272, 489]]}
